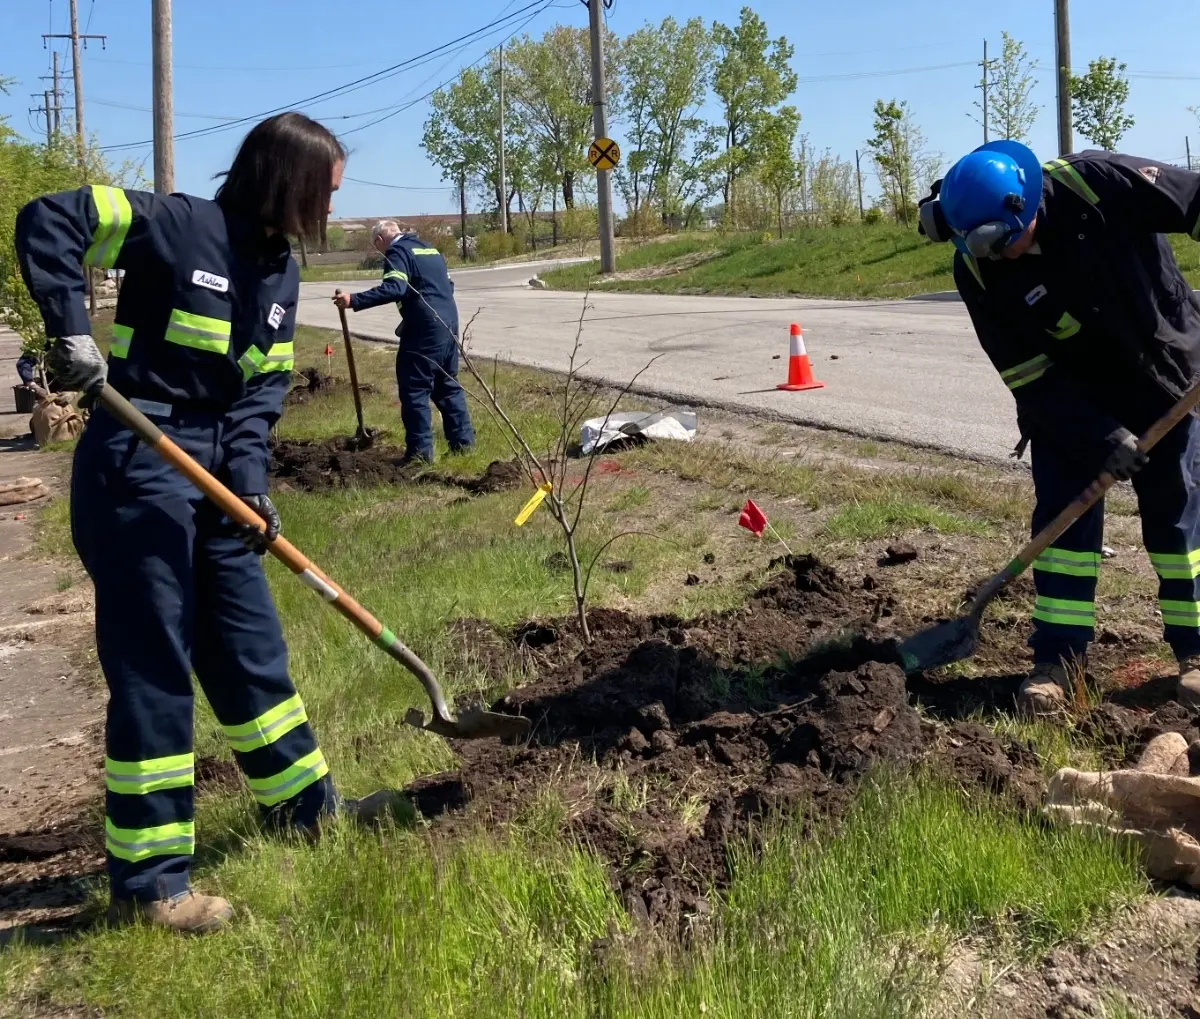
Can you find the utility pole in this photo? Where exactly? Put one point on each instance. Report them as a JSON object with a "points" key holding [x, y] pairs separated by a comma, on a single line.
{"points": [[76, 38], [164, 144], [1062, 56], [858, 171], [503, 181], [57, 97], [608, 262], [984, 85], [1187, 144]]}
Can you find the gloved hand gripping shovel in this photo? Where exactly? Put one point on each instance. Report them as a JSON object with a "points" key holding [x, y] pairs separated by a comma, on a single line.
{"points": [[957, 639], [473, 724], [364, 437]]}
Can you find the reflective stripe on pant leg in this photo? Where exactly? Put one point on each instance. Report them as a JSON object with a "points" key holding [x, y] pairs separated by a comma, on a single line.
{"points": [[141, 777], [290, 782], [1069, 563], [137, 844], [267, 727], [1180, 613], [1065, 612], [1176, 566]]}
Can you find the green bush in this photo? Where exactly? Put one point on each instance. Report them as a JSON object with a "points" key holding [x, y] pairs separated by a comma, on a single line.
{"points": [[447, 244], [873, 216], [493, 245]]}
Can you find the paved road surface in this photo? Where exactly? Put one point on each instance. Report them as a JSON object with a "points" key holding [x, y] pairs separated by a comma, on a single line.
{"points": [[906, 370]]}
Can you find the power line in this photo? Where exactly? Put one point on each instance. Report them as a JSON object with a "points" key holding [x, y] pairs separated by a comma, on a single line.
{"points": [[91, 10], [398, 187], [852, 75], [352, 86]]}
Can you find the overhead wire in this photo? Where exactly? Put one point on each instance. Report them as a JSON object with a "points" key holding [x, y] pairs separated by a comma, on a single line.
{"points": [[359, 83]]}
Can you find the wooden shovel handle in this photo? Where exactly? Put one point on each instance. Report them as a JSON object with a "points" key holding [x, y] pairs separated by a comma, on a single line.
{"points": [[350, 363], [304, 568], [1095, 491]]}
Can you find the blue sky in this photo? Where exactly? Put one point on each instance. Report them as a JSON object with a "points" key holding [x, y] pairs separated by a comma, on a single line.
{"points": [[236, 58]]}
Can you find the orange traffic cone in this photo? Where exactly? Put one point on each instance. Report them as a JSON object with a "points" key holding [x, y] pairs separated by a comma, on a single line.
{"points": [[800, 374]]}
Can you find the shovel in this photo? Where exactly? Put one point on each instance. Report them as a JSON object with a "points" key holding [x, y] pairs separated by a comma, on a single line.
{"points": [[957, 639], [364, 438], [473, 724]]}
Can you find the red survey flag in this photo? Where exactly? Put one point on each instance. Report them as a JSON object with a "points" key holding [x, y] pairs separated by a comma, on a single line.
{"points": [[753, 519], [328, 350]]}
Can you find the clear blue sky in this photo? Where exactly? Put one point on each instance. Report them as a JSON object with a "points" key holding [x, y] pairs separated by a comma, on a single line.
{"points": [[236, 58]]}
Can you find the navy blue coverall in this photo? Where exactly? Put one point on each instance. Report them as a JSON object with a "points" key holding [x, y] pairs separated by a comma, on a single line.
{"points": [[1093, 330], [416, 278], [203, 345]]}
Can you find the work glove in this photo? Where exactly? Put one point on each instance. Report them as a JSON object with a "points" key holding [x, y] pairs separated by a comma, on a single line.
{"points": [[254, 539], [1126, 459], [77, 364]]}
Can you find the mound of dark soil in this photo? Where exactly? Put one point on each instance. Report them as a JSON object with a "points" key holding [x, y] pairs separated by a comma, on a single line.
{"points": [[315, 466], [667, 739], [316, 384]]}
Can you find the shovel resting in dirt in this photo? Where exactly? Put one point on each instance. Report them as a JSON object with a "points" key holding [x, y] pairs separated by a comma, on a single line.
{"points": [[473, 724], [364, 438], [957, 639]]}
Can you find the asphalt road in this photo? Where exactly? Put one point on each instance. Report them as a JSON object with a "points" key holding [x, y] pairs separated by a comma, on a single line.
{"points": [[904, 370]]}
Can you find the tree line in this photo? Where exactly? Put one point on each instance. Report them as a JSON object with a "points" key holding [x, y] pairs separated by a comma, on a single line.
{"points": [[709, 130]]}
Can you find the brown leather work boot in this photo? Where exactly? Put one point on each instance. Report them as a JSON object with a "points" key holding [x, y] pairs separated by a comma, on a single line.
{"points": [[1187, 692], [187, 913], [1044, 692]]}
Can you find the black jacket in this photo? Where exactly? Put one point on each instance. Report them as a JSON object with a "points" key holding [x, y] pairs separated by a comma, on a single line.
{"points": [[1096, 328]]}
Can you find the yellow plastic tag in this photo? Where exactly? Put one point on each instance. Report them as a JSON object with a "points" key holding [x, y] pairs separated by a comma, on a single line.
{"points": [[534, 503]]}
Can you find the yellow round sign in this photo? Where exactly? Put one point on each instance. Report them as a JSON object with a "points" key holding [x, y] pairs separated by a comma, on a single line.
{"points": [[604, 154]]}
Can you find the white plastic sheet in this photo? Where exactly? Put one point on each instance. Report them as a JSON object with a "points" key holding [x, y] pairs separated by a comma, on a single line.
{"points": [[674, 425]]}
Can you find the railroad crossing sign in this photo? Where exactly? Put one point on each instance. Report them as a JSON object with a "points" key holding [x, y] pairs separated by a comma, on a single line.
{"points": [[604, 154]]}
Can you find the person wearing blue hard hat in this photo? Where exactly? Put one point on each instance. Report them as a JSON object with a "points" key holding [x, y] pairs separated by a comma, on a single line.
{"points": [[1076, 298]]}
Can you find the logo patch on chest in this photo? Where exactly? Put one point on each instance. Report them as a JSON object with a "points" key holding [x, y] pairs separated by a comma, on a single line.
{"points": [[210, 281], [275, 316], [1150, 173], [1035, 295]]}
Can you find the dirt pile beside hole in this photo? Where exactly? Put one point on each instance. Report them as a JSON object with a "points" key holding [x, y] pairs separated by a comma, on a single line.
{"points": [[664, 740], [314, 466], [312, 383]]}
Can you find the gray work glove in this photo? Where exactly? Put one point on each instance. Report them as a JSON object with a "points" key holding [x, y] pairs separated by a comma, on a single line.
{"points": [[77, 364], [1126, 459], [252, 537]]}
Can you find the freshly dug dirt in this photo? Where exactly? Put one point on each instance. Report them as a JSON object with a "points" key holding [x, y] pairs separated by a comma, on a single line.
{"points": [[666, 740], [313, 384], [314, 466]]}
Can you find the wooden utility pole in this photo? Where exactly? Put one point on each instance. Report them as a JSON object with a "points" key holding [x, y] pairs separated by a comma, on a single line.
{"points": [[608, 262], [858, 172], [164, 114], [1062, 57], [1187, 144], [57, 97], [77, 69], [984, 85], [503, 182]]}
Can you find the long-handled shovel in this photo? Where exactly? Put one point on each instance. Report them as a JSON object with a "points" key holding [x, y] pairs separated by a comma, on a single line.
{"points": [[364, 437], [958, 638], [473, 724]]}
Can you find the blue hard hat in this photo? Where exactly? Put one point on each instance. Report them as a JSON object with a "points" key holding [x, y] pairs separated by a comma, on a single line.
{"points": [[1000, 182]]}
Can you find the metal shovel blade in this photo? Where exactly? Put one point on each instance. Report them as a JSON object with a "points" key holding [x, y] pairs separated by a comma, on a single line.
{"points": [[940, 644], [474, 723]]}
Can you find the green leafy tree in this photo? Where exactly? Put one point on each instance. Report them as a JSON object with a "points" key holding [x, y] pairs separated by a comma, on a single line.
{"points": [[751, 79], [665, 70], [1013, 108], [550, 82], [901, 161], [780, 172], [1098, 101], [833, 190]]}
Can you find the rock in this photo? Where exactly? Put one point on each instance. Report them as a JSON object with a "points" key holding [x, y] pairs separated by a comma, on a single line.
{"points": [[691, 580], [776, 357], [1079, 998], [537, 284], [662, 742], [653, 717], [833, 357], [898, 553], [635, 742]]}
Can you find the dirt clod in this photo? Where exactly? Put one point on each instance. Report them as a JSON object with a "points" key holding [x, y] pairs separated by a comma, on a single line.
{"points": [[899, 553]]}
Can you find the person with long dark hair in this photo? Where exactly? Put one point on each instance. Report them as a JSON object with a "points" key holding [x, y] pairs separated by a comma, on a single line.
{"points": [[202, 345]]}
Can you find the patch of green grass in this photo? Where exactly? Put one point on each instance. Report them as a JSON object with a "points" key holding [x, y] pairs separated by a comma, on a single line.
{"points": [[855, 261], [891, 517], [831, 923]]}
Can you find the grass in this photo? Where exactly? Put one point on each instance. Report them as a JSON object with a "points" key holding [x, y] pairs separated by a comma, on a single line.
{"points": [[817, 920], [395, 924], [881, 261]]}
